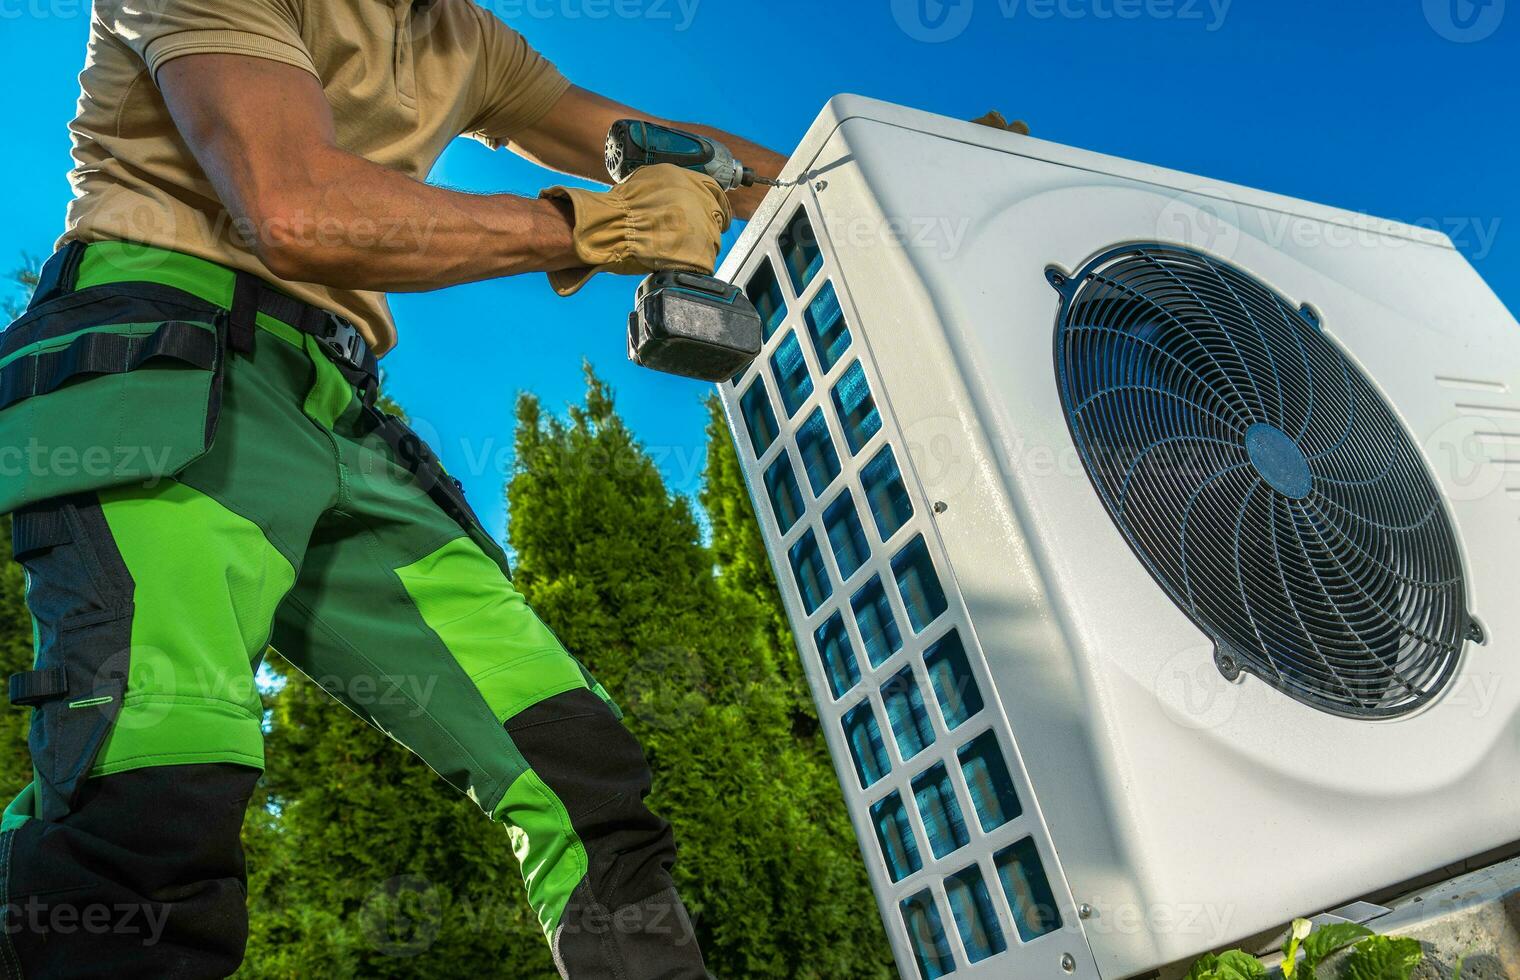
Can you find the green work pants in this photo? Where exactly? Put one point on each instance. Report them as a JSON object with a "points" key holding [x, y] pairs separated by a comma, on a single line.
{"points": [[265, 503]]}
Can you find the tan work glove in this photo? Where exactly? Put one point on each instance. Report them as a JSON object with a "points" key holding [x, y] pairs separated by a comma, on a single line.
{"points": [[661, 217], [996, 121]]}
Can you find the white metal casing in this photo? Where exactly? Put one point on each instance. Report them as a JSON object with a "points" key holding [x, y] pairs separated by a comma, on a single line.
{"points": [[1183, 811]]}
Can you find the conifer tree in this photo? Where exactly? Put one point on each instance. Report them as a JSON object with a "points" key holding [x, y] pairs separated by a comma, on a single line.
{"points": [[15, 656], [15, 621], [614, 562]]}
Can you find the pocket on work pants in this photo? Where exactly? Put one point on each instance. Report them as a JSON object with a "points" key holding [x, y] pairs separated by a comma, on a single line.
{"points": [[80, 595], [109, 386], [414, 455]]}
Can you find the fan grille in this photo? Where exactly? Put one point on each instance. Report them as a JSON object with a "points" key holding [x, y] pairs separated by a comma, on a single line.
{"points": [[1264, 482]]}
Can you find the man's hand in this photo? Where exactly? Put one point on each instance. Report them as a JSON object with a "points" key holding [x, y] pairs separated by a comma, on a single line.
{"points": [[572, 139], [662, 217], [312, 212], [995, 120]]}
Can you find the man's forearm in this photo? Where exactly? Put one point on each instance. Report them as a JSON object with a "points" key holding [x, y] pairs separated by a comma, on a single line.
{"points": [[345, 222], [312, 212]]}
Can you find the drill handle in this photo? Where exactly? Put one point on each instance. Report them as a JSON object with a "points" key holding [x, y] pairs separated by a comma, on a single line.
{"points": [[633, 143]]}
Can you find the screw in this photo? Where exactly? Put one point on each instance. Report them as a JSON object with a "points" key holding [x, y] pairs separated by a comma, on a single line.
{"points": [[822, 185], [940, 506], [1084, 911], [1475, 632], [1068, 963]]}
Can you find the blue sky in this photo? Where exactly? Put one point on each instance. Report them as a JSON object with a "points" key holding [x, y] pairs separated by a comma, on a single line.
{"points": [[1398, 108]]}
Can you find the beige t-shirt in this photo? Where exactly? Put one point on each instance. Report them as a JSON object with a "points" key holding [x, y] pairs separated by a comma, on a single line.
{"points": [[404, 77]]}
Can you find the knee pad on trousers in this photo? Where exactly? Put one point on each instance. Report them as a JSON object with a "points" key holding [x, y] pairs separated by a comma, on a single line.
{"points": [[581, 751], [146, 874]]}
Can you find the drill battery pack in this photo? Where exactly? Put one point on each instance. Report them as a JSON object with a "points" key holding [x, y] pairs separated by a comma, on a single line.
{"points": [[694, 326]]}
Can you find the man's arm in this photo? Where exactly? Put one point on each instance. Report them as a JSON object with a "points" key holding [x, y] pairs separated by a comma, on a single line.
{"points": [[263, 133], [572, 139]]}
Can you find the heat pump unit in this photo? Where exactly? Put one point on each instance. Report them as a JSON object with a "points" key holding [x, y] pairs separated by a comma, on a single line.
{"points": [[1149, 541]]}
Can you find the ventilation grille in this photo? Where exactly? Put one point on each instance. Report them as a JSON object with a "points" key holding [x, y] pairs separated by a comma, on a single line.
{"points": [[1262, 480], [962, 865]]}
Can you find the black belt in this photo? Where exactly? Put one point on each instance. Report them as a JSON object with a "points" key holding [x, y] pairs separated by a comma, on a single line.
{"points": [[339, 339]]}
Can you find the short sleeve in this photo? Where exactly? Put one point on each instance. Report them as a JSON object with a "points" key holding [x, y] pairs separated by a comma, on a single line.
{"points": [[515, 85], [161, 30]]}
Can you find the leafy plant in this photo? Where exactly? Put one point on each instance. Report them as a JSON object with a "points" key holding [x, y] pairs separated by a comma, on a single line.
{"points": [[1234, 965], [1300, 932], [1372, 957], [1383, 958], [1328, 941]]}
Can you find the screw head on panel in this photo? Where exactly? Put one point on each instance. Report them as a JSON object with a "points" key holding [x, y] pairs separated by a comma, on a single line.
{"points": [[822, 185], [1068, 963], [940, 506], [1227, 663], [1084, 911]]}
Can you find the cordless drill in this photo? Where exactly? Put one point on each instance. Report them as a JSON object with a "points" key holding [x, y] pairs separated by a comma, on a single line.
{"points": [[686, 323]]}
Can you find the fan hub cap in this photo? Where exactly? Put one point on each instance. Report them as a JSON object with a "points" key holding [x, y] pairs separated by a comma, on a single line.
{"points": [[1279, 461]]}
